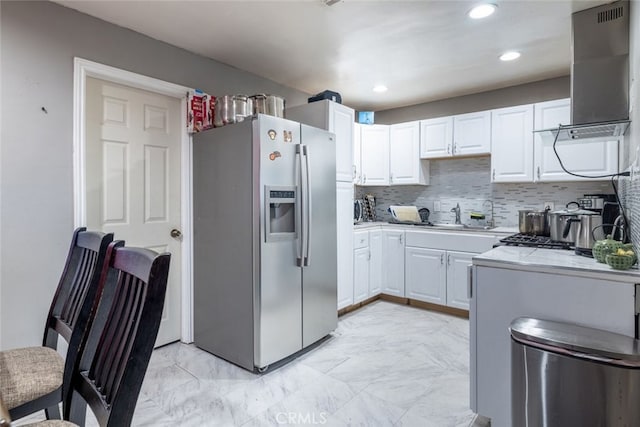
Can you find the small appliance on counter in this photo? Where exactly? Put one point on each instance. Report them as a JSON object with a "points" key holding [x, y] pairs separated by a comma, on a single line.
{"points": [[358, 211]]}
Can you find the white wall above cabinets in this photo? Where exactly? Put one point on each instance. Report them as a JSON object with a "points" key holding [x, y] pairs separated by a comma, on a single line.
{"points": [[374, 155], [585, 157], [461, 135], [405, 165], [336, 118], [512, 144], [518, 155]]}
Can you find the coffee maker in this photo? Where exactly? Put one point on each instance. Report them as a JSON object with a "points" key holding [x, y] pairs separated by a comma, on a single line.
{"points": [[607, 206]]}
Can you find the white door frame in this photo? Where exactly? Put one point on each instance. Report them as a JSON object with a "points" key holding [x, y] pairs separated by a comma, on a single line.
{"points": [[82, 69]]}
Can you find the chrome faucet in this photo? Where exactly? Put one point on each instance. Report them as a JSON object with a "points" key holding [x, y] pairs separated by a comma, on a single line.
{"points": [[491, 222], [457, 211]]}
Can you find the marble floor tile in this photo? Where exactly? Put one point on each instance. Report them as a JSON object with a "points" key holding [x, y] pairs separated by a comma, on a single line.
{"points": [[385, 365], [366, 410]]}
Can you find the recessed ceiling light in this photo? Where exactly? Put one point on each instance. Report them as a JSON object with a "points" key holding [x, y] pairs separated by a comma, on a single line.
{"points": [[510, 56], [380, 88], [482, 11]]}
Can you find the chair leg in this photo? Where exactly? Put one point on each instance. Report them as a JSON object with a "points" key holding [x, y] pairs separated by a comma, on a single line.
{"points": [[53, 413], [77, 409]]}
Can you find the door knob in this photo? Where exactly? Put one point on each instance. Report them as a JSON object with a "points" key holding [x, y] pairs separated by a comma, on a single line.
{"points": [[176, 234]]}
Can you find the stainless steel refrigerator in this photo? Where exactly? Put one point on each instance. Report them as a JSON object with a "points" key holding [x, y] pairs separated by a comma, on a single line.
{"points": [[264, 200]]}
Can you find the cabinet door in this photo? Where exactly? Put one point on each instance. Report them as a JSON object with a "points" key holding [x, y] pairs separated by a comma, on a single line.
{"points": [[360, 274], [426, 275], [512, 144], [374, 140], [341, 123], [375, 263], [584, 157], [550, 114], [405, 166], [472, 133], [393, 266], [357, 150], [436, 137], [457, 279], [344, 226]]}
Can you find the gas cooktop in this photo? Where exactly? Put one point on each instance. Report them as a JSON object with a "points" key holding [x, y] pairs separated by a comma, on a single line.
{"points": [[534, 242]]}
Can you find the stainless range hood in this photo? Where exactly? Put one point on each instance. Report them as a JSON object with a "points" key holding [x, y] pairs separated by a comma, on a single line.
{"points": [[599, 74]]}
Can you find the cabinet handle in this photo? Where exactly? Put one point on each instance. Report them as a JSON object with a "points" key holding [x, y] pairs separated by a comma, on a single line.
{"points": [[355, 172], [369, 257], [455, 148], [494, 175], [448, 148], [469, 281], [442, 259], [401, 239], [390, 177], [364, 179], [448, 259], [538, 172]]}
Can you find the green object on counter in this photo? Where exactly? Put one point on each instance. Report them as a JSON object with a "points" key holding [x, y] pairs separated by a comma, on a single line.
{"points": [[602, 248], [477, 215], [620, 262]]}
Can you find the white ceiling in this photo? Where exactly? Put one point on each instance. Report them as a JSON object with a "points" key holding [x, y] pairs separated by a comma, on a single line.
{"points": [[422, 50]]}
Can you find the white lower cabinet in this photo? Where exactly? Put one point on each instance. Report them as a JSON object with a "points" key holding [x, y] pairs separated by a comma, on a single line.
{"points": [[393, 266], [367, 264], [437, 276], [375, 262], [426, 275], [457, 279], [361, 258]]}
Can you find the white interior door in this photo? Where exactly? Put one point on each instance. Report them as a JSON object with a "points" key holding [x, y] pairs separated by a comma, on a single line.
{"points": [[133, 140]]}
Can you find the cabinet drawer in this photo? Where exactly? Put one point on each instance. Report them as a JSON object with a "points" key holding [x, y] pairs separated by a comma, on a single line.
{"points": [[458, 241], [360, 239]]}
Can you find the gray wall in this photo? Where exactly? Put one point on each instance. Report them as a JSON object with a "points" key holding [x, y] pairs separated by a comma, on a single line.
{"points": [[507, 97], [38, 43]]}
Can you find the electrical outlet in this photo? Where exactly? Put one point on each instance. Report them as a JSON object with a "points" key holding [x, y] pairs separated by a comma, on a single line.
{"points": [[436, 206], [550, 205]]}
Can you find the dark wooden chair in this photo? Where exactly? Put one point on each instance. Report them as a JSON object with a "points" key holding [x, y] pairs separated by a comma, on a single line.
{"points": [[36, 378], [114, 358]]}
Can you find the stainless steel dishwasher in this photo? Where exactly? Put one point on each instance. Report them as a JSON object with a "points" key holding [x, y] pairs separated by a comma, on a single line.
{"points": [[568, 375]]}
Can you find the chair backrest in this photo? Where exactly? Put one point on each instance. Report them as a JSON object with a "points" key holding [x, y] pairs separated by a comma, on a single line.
{"points": [[115, 356], [72, 305]]}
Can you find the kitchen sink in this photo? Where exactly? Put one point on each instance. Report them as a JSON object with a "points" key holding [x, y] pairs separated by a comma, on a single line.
{"points": [[449, 226]]}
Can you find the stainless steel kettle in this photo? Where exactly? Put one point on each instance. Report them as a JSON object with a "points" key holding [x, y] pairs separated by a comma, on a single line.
{"points": [[589, 230]]}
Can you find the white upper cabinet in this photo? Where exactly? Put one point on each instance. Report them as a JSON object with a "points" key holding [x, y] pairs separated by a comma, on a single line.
{"points": [[436, 137], [357, 153], [336, 118], [472, 134], [461, 135], [591, 157], [374, 140], [405, 166], [512, 144]]}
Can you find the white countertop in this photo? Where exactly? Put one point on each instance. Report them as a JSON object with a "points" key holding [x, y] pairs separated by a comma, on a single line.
{"points": [[553, 261], [497, 230]]}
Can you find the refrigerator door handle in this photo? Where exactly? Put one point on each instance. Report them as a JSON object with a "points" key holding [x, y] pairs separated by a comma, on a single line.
{"points": [[299, 209], [307, 215]]}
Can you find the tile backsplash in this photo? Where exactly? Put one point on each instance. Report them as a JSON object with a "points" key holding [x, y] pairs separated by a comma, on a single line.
{"points": [[467, 181]]}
